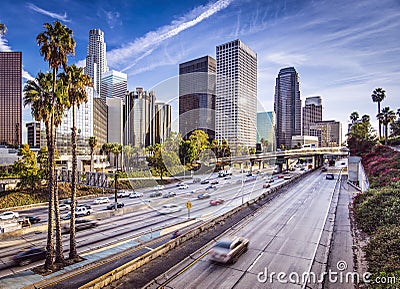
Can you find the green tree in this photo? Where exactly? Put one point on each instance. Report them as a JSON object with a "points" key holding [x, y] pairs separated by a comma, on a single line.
{"points": [[361, 137], [187, 152], [56, 43], [92, 145], [26, 168], [116, 149], [155, 160], [395, 128], [378, 95], [43, 161], [199, 140], [386, 117], [264, 144], [354, 116]]}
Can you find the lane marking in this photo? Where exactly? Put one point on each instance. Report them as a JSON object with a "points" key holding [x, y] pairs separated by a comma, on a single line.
{"points": [[255, 261]]}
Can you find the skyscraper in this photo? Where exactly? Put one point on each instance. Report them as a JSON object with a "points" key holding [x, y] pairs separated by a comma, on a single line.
{"points": [[266, 129], [287, 106], [312, 113], [329, 133], [197, 96], [236, 101], [162, 122], [33, 134], [113, 84], [10, 98], [96, 62], [139, 118], [100, 120]]}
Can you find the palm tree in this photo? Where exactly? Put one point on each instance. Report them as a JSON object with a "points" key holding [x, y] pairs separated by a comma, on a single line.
{"points": [[398, 112], [378, 95], [92, 145], [106, 148], [56, 43], [386, 117], [77, 83], [116, 149], [128, 151], [365, 118], [354, 116]]}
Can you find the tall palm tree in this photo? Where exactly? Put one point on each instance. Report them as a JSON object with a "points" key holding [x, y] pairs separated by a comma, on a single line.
{"points": [[354, 116], [56, 43], [116, 149], [378, 95], [128, 151], [92, 145], [106, 148], [386, 117], [365, 118], [77, 82]]}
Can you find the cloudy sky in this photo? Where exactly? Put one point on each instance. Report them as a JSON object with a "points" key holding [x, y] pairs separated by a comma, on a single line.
{"points": [[342, 50]]}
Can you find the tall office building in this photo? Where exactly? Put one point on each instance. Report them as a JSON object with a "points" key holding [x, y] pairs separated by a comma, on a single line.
{"points": [[312, 113], [197, 96], [287, 106], [10, 98], [96, 62], [115, 120], [236, 101], [33, 134], [329, 133], [266, 129], [139, 112], [113, 84], [100, 121], [162, 122]]}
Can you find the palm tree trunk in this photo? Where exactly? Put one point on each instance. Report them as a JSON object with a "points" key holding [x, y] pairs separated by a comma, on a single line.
{"points": [[49, 262], [72, 232], [91, 160], [380, 123], [59, 245], [386, 133]]}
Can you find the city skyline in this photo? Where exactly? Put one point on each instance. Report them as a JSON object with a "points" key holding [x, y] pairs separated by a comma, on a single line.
{"points": [[335, 47]]}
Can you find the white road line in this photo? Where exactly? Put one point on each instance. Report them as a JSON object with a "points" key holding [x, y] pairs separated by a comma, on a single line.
{"points": [[255, 261]]}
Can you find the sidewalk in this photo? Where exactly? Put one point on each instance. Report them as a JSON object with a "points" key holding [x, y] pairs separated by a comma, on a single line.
{"points": [[341, 253]]}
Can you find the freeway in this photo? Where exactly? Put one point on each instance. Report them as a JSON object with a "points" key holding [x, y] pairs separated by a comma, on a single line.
{"points": [[283, 236], [139, 216]]}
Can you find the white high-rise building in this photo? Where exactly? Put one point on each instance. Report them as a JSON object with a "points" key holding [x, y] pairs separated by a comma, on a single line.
{"points": [[236, 101], [113, 84], [96, 62]]}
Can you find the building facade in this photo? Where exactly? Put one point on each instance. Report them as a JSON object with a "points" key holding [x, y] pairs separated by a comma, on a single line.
{"points": [[236, 94], [197, 96], [100, 120], [287, 106], [115, 120], [162, 122], [96, 62], [266, 129], [329, 133], [33, 134], [139, 113], [312, 113], [113, 84], [10, 98]]}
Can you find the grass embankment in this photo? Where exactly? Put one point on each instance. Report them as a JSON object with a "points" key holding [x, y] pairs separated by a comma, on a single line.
{"points": [[377, 213]]}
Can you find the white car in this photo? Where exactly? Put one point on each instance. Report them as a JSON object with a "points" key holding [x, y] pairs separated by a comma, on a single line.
{"points": [[101, 200], [123, 194], [169, 208], [159, 187], [9, 215], [183, 186], [136, 195]]}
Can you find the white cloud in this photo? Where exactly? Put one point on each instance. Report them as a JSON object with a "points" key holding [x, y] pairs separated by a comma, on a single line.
{"points": [[48, 13], [144, 46]]}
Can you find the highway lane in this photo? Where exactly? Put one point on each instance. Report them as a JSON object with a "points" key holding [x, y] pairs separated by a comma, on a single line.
{"points": [[117, 227], [283, 238]]}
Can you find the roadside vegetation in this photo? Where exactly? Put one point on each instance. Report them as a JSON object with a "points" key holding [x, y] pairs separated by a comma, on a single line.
{"points": [[377, 211]]}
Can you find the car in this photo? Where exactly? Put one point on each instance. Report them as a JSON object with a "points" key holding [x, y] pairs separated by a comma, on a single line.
{"points": [[216, 202], [159, 187], [183, 186], [280, 176], [324, 169], [203, 196], [69, 202], [266, 185], [101, 200], [9, 215], [155, 194], [31, 255], [86, 206], [303, 169], [228, 250], [210, 187], [214, 182], [249, 174], [330, 177], [270, 180], [169, 208], [287, 177], [136, 195], [112, 206], [169, 195], [81, 224], [123, 194], [27, 221], [65, 207], [83, 211], [203, 182]]}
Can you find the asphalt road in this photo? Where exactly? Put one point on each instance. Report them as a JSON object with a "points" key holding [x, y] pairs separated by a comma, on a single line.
{"points": [[283, 238]]}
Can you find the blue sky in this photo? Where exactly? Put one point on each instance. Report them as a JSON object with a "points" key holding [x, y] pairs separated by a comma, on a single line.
{"points": [[341, 49]]}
